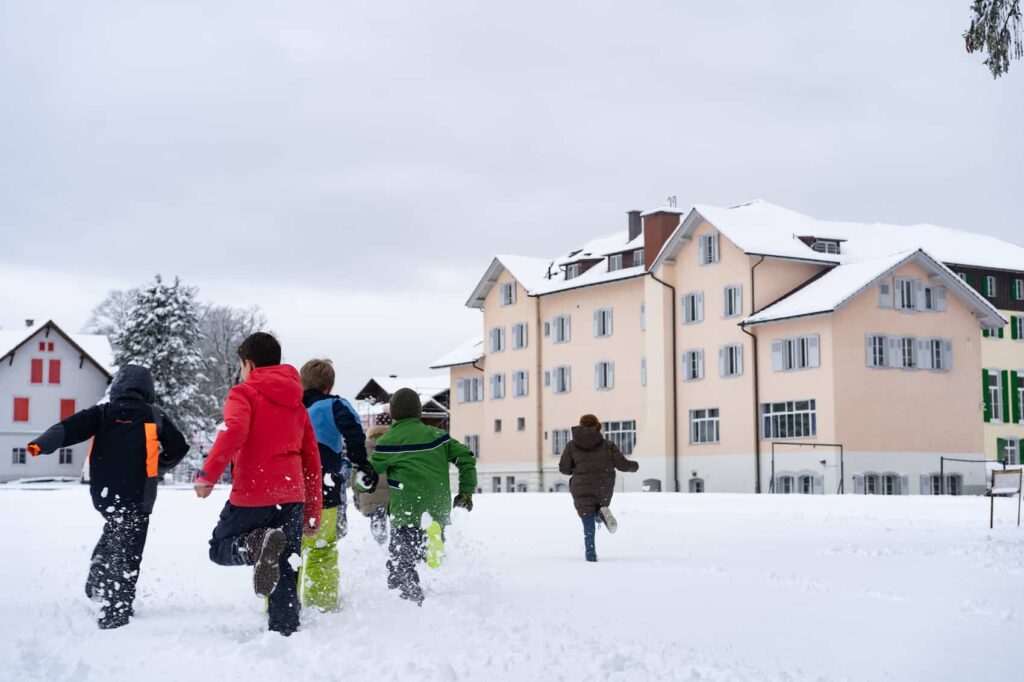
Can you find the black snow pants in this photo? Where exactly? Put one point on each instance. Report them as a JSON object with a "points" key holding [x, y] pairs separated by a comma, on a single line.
{"points": [[227, 548], [116, 560], [408, 547]]}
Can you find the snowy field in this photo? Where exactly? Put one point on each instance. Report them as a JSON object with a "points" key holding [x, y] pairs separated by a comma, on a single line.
{"points": [[695, 587]]}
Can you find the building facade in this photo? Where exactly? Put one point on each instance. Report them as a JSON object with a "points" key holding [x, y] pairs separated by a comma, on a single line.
{"points": [[751, 349], [47, 375]]}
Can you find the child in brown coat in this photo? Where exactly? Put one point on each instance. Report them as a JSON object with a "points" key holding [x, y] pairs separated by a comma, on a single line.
{"points": [[374, 505]]}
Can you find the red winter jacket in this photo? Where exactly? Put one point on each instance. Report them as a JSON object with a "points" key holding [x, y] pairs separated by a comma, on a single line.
{"points": [[268, 439]]}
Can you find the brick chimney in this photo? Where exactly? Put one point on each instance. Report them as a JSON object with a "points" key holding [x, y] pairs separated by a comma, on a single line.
{"points": [[635, 224], [658, 226]]}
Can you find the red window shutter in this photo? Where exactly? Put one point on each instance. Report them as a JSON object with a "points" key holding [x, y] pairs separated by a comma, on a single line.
{"points": [[42, 345], [54, 371], [21, 409], [37, 371], [49, 346], [67, 408]]}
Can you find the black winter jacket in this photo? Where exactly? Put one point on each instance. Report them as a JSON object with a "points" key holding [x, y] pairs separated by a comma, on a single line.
{"points": [[134, 442], [591, 461]]}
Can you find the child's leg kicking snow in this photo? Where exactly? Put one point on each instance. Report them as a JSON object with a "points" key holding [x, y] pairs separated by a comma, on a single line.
{"points": [[408, 547], [589, 530], [318, 577], [119, 560]]}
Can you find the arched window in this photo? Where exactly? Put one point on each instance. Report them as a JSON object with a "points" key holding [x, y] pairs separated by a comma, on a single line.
{"points": [[785, 485], [871, 486], [696, 485], [890, 484], [652, 485], [954, 484], [805, 484]]}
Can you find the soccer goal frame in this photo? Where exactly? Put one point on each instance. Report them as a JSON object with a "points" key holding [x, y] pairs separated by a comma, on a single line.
{"points": [[842, 463], [942, 468]]}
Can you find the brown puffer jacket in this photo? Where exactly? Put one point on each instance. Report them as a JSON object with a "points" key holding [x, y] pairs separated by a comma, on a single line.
{"points": [[591, 461], [367, 503]]}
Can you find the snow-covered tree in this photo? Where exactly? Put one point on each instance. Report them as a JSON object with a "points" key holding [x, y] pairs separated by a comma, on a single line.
{"points": [[224, 328], [996, 31], [108, 318], [162, 331]]}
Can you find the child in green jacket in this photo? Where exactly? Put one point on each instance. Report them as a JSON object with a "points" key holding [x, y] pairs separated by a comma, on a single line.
{"points": [[414, 460]]}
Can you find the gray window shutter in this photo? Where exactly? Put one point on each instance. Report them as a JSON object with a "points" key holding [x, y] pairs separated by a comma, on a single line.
{"points": [[739, 359], [885, 294], [547, 378], [700, 364], [597, 323], [714, 248], [547, 329], [904, 484], [941, 303], [918, 295], [721, 361], [926, 484], [460, 390], [725, 301], [611, 320], [819, 485], [700, 306], [568, 379], [643, 371], [869, 354], [777, 355], [895, 352], [568, 327], [597, 375], [813, 350], [947, 352], [739, 299], [858, 484], [924, 354], [702, 245], [611, 375]]}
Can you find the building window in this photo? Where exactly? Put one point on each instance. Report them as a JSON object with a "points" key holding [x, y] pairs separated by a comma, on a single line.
{"points": [[18, 455], [638, 258], [520, 384], [876, 346], [470, 390], [572, 271], [906, 294], [990, 286], [693, 365], [1008, 451], [696, 485], [497, 339], [825, 246], [495, 484], [562, 328], [1017, 327], [709, 248], [908, 352], [519, 336], [643, 317], [602, 323], [622, 434], [798, 352], [508, 293], [693, 307], [730, 360], [521, 424], [954, 484], [614, 262], [733, 303], [21, 410], [805, 484], [792, 419], [1018, 289], [940, 353], [704, 426], [785, 485], [604, 375], [54, 371], [561, 379], [890, 484], [871, 484], [497, 386], [510, 484], [559, 441], [66, 456], [497, 426], [473, 443], [36, 371], [995, 396], [643, 371]]}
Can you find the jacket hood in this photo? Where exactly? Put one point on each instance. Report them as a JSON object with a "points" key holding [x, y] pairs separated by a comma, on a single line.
{"points": [[277, 383], [312, 395], [586, 437], [133, 381]]}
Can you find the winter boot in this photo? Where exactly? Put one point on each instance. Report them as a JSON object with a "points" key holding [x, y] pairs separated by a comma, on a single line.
{"points": [[115, 616], [342, 523], [264, 547], [379, 525], [609, 521]]}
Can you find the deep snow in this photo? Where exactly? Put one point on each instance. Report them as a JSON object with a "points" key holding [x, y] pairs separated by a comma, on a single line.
{"points": [[721, 587]]}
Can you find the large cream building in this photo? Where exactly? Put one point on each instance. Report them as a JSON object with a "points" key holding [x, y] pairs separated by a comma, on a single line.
{"points": [[749, 349]]}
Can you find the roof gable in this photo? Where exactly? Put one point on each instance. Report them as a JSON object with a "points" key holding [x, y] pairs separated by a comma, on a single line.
{"points": [[93, 347]]}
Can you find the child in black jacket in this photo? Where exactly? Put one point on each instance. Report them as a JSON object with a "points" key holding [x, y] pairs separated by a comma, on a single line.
{"points": [[125, 463]]}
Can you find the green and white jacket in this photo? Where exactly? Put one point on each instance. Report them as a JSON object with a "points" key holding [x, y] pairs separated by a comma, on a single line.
{"points": [[414, 459]]}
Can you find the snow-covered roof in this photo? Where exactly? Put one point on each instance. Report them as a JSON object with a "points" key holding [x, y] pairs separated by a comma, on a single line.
{"points": [[764, 228], [96, 347], [468, 353], [836, 287], [428, 387], [617, 242]]}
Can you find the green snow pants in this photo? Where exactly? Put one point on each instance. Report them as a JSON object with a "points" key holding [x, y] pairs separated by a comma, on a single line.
{"points": [[319, 575]]}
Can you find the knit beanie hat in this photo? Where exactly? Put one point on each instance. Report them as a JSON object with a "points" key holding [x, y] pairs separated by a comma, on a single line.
{"points": [[405, 403]]}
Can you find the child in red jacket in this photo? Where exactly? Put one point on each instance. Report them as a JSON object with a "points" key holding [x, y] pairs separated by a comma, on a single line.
{"points": [[276, 489]]}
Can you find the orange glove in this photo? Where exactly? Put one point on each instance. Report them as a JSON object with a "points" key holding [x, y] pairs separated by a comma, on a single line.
{"points": [[34, 450]]}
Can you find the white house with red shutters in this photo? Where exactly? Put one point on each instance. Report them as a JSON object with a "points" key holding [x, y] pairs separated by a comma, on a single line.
{"points": [[45, 376]]}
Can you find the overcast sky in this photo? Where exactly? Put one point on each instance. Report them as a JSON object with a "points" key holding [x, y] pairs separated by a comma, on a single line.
{"points": [[352, 166]]}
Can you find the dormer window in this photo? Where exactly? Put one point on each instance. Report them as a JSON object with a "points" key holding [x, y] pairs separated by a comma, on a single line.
{"points": [[638, 257], [826, 246], [572, 271], [614, 262]]}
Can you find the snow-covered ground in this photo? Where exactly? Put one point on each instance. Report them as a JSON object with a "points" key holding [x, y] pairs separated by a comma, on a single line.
{"points": [[720, 587]]}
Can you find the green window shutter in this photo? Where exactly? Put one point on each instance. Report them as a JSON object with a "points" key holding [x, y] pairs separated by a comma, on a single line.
{"points": [[984, 395], [1013, 326], [1014, 398], [1001, 450], [1000, 332], [1006, 398], [984, 333]]}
